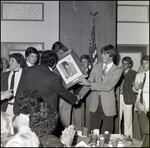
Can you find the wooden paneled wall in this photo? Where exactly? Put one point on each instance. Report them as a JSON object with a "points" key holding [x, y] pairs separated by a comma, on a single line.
{"points": [[76, 24]]}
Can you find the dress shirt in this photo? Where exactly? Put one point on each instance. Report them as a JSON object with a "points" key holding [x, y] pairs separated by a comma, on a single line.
{"points": [[108, 66], [29, 64], [16, 81]]}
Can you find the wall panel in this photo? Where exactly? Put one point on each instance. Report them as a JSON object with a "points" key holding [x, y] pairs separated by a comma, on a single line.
{"points": [[76, 24]]}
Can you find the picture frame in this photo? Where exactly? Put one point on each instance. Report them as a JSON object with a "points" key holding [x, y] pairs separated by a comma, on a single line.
{"points": [[22, 11], [70, 69], [133, 14]]}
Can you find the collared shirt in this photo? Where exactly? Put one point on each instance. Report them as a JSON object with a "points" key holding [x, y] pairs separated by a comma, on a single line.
{"points": [[50, 68], [16, 81], [29, 64], [126, 70], [108, 66]]}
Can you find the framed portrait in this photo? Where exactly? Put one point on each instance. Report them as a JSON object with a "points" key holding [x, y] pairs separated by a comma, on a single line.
{"points": [[70, 68]]}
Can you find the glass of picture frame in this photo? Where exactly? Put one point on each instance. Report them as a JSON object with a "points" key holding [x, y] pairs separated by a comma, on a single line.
{"points": [[70, 68]]}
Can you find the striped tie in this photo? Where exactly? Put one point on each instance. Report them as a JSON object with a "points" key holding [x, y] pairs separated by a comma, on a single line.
{"points": [[103, 73], [122, 83]]}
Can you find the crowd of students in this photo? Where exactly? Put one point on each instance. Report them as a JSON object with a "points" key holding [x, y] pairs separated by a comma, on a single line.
{"points": [[39, 107]]}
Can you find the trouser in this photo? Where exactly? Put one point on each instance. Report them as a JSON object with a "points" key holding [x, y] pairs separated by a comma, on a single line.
{"points": [[98, 120], [125, 110]]}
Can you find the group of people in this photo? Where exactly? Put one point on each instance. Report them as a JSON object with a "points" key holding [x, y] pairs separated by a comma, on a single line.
{"points": [[39, 104]]}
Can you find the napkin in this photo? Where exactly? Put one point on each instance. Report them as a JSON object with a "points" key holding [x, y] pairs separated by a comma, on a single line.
{"points": [[82, 144]]}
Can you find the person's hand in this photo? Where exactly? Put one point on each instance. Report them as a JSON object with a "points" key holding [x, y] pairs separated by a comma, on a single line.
{"points": [[141, 85], [136, 85], [6, 94], [79, 97], [85, 82], [67, 136], [140, 107]]}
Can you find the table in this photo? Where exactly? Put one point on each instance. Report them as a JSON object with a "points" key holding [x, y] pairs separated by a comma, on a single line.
{"points": [[80, 141]]}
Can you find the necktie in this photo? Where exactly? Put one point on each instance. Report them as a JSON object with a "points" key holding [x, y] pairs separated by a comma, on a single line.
{"points": [[12, 80], [103, 73], [122, 83], [141, 97]]}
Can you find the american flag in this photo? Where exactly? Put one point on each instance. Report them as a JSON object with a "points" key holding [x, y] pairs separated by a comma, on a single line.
{"points": [[92, 48]]}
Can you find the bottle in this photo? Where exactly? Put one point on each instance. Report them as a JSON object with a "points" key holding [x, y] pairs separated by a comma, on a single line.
{"points": [[102, 141], [107, 137], [98, 141]]}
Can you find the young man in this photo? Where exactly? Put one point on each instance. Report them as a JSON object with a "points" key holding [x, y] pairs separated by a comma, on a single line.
{"points": [[141, 87], [103, 78], [127, 96], [16, 75], [78, 116], [32, 56]]}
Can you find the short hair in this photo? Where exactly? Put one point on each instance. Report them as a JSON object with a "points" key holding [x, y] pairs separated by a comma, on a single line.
{"points": [[129, 60], [145, 58], [31, 50], [19, 58], [59, 46], [49, 58], [27, 100], [85, 56], [109, 49], [43, 119], [4, 59]]}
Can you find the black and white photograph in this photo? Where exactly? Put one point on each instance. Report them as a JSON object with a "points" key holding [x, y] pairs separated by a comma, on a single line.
{"points": [[74, 73], [70, 68]]}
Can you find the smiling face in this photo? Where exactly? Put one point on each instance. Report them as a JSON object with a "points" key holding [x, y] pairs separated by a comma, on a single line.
{"points": [[85, 63], [32, 58], [106, 58], [125, 65]]}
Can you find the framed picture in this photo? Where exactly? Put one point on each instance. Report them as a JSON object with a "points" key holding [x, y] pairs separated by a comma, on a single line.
{"points": [[22, 11], [133, 14], [70, 68]]}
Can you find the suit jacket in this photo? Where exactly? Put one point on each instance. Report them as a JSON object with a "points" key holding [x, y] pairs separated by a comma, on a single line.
{"points": [[4, 87], [48, 84], [128, 94], [144, 124], [104, 89]]}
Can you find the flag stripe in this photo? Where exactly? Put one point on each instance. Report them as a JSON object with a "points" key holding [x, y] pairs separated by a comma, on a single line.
{"points": [[92, 48]]}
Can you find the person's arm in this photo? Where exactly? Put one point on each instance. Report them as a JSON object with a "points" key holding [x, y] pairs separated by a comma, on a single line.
{"points": [[65, 94], [110, 85]]}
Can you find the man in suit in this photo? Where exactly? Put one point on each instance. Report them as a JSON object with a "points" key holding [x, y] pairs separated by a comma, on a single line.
{"points": [[64, 106], [138, 86], [46, 82], [32, 56], [103, 78], [141, 87], [17, 64], [127, 96]]}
